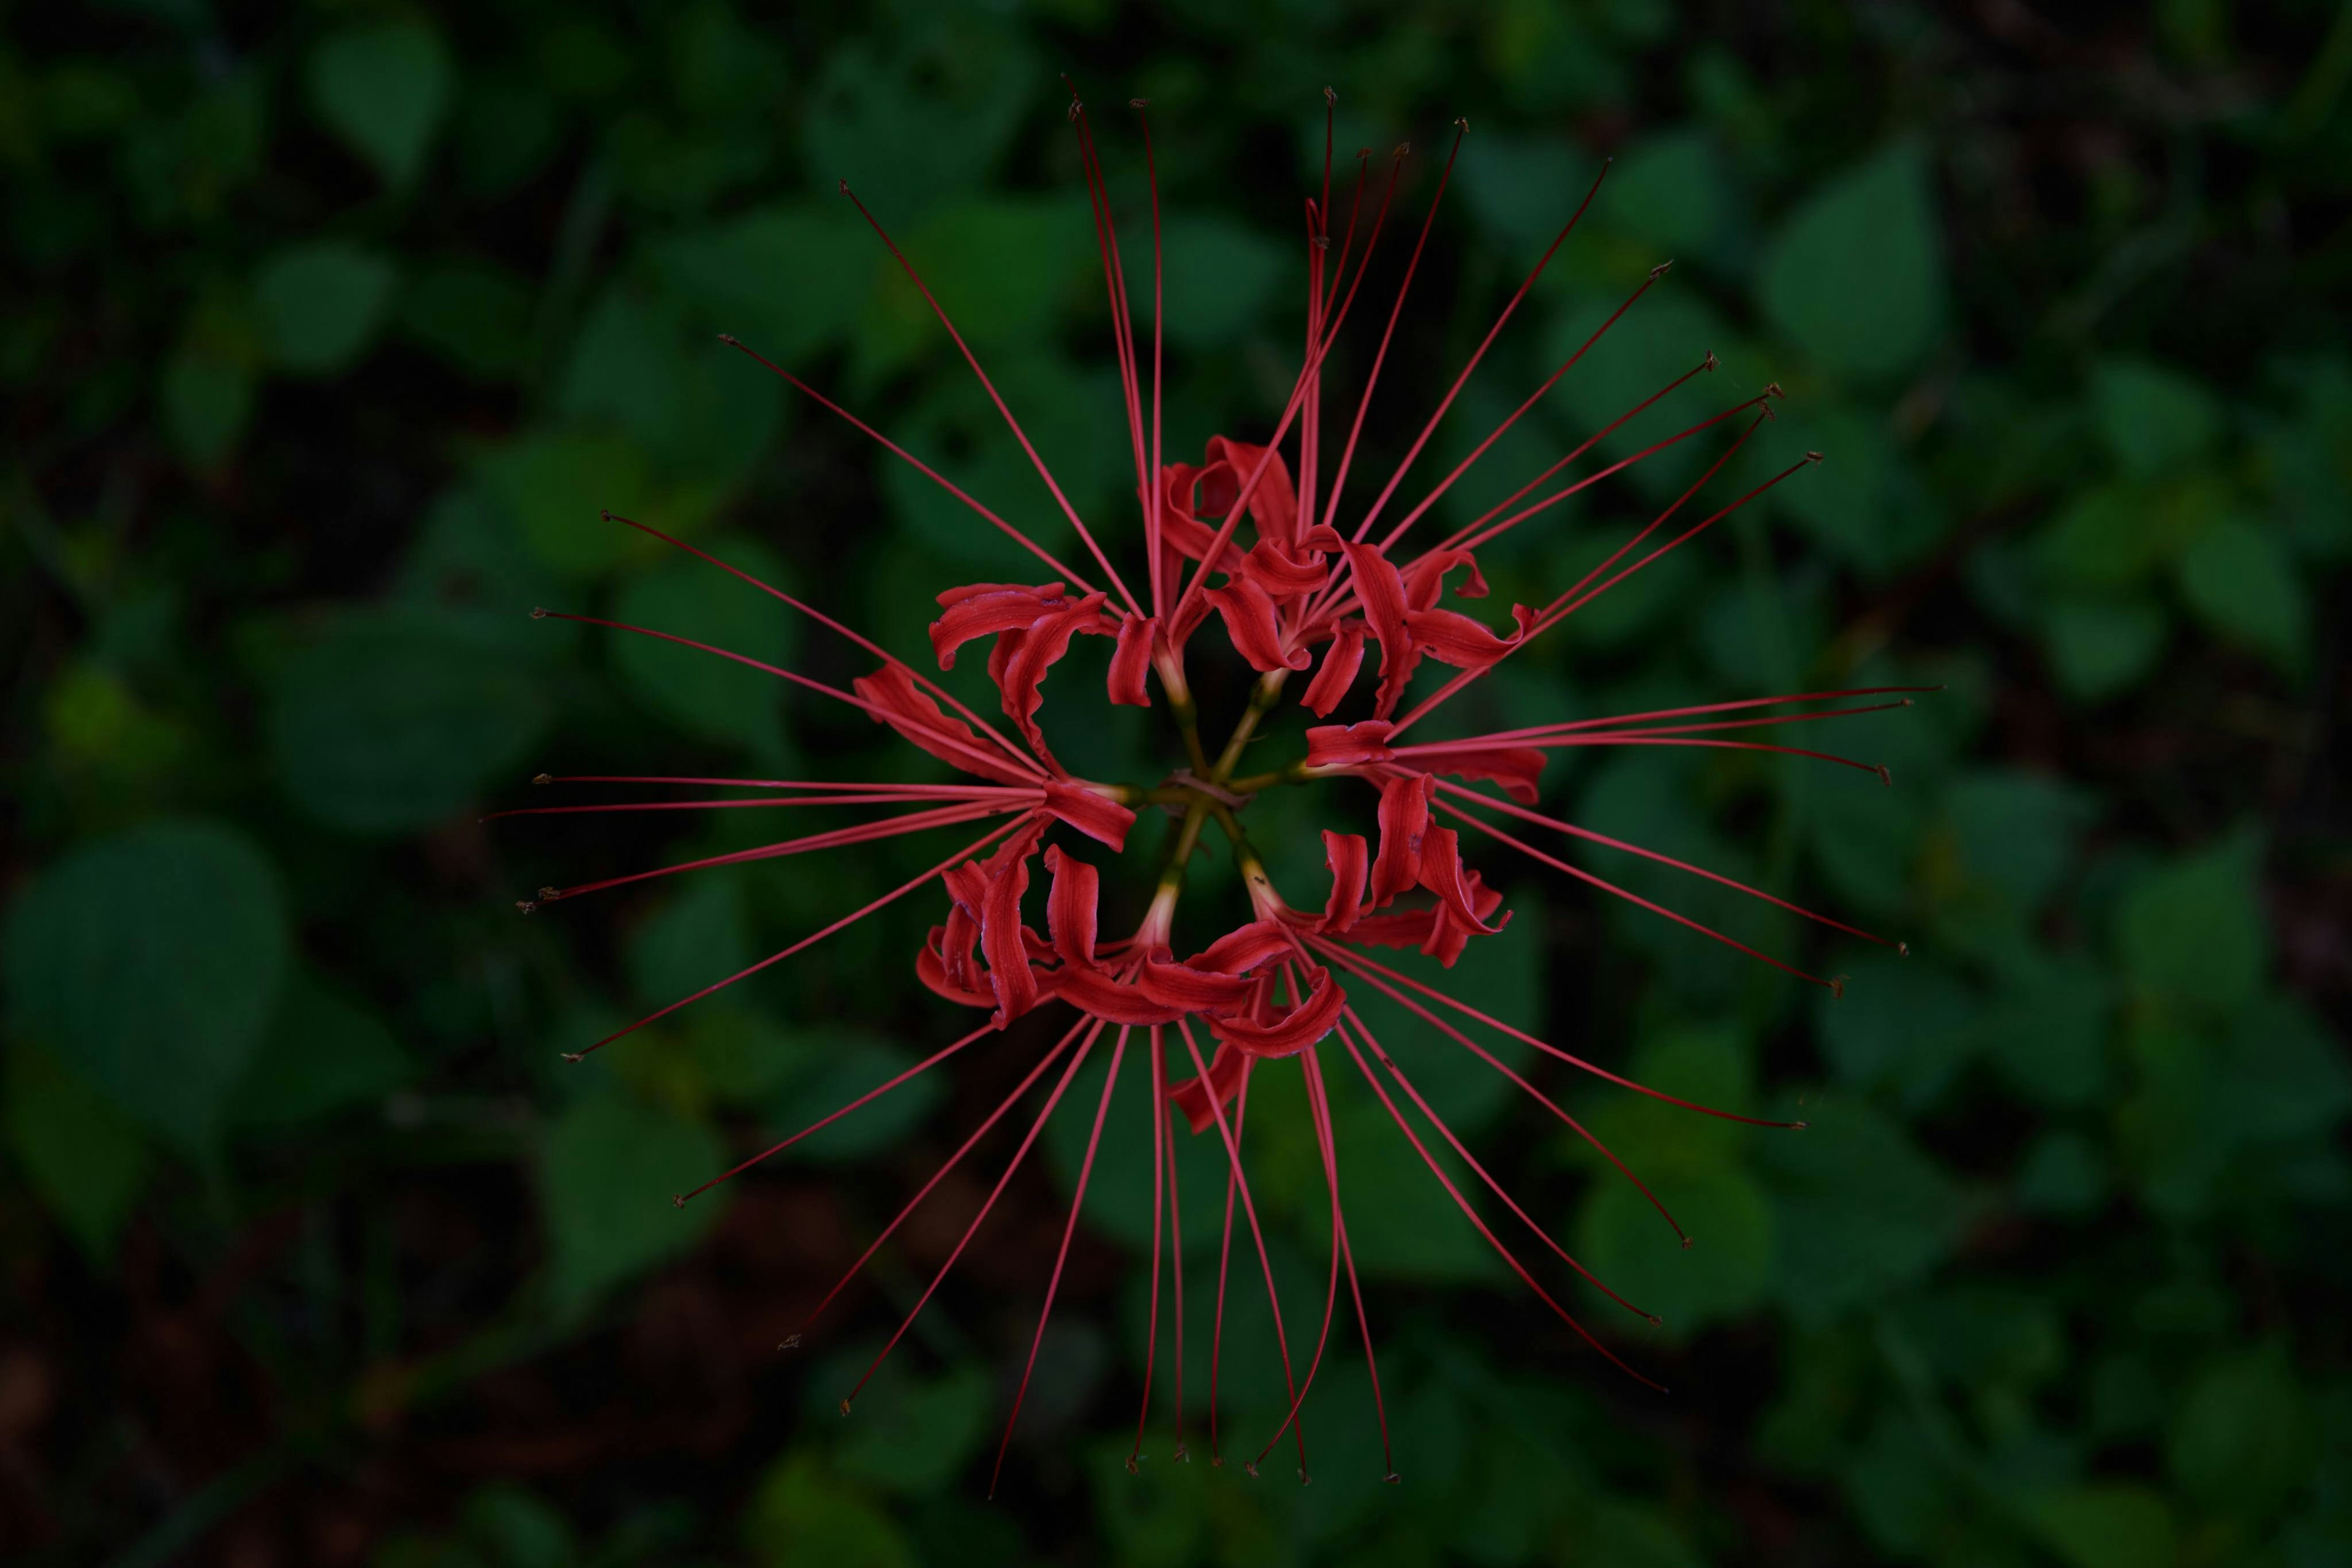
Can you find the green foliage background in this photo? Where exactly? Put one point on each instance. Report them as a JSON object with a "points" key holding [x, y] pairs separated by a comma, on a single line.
{"points": [[331, 329]]}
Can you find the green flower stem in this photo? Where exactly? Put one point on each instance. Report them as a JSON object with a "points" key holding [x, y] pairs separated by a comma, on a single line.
{"points": [[1261, 703]]}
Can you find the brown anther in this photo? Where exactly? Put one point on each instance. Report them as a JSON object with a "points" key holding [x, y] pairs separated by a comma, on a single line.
{"points": [[1772, 389], [1837, 986], [1181, 1456], [1886, 775], [790, 1342], [1462, 124], [1132, 1467], [1304, 1479], [844, 1407], [1216, 1461], [1322, 242], [574, 1058], [1330, 97], [1249, 1468], [1766, 409], [1902, 949], [1711, 361], [678, 1200], [730, 340], [1655, 1321], [1813, 456], [538, 613], [1393, 1477], [1138, 103], [549, 895], [1075, 110], [527, 906], [605, 515], [844, 187], [1799, 1126], [1660, 270], [1404, 150], [542, 778]]}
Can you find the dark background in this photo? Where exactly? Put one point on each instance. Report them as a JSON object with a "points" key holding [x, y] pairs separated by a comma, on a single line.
{"points": [[329, 330]]}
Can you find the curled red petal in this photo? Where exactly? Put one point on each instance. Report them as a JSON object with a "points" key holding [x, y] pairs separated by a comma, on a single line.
{"points": [[1385, 614], [1040, 648], [1296, 1029], [1250, 622], [1001, 943], [1273, 505], [1191, 1097], [1451, 637], [1070, 907], [1331, 684], [1092, 992], [983, 609], [1281, 575], [1448, 935], [1183, 533], [1188, 989], [908, 709], [1347, 745], [1425, 578], [1104, 821], [1243, 949], [1443, 873], [933, 968], [1131, 660], [1404, 818], [1349, 857], [1515, 768]]}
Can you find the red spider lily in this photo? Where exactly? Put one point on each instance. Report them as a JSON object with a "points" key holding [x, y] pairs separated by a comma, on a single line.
{"points": [[1277, 988]]}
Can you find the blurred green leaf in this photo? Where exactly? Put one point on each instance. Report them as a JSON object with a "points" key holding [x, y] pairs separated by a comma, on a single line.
{"points": [[2046, 1030], [2193, 930], [800, 1515], [2239, 579], [788, 279], [1860, 1209], [705, 695], [1904, 1024], [1220, 277], [1631, 1247], [85, 1157], [920, 117], [385, 88], [150, 962], [700, 934], [2154, 418], [1856, 276], [472, 312], [2062, 1174], [324, 1055], [2286, 1076], [1521, 188], [608, 1167], [555, 483], [2108, 1525], [322, 302], [388, 719], [2100, 647], [913, 1436], [206, 399], [2243, 1440], [1670, 189], [523, 1527], [843, 1065]]}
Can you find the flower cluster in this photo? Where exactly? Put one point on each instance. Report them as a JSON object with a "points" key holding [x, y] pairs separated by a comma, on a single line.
{"points": [[1255, 542]]}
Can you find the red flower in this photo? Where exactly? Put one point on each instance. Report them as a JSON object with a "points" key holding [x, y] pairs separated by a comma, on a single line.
{"points": [[1274, 993]]}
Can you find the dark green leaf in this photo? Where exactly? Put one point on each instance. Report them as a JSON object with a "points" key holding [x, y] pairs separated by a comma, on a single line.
{"points": [[150, 962], [1220, 277], [2240, 581], [2193, 931], [1861, 1211], [324, 1055], [608, 1168], [1855, 277], [2099, 647], [703, 694], [85, 1157], [2243, 1440], [383, 88], [322, 302], [2110, 1525], [473, 313], [2154, 418]]}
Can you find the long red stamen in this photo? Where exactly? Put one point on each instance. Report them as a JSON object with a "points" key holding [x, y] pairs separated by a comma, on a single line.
{"points": [[1266, 1264], [1466, 464], [1357, 960], [1159, 1190], [994, 396], [1619, 720], [1175, 1253], [1153, 500], [1062, 1256], [1372, 513], [1289, 410], [851, 918], [1331, 1289], [913, 822], [1122, 324], [1350, 1017], [944, 793], [1078, 1060], [1512, 808], [984, 759], [1045, 1060], [920, 1068], [1340, 956], [1380, 356], [908, 789], [1490, 830], [1320, 1100], [921, 466]]}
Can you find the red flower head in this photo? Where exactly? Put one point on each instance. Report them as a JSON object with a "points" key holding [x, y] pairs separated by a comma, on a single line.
{"points": [[1255, 542]]}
